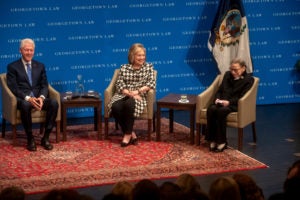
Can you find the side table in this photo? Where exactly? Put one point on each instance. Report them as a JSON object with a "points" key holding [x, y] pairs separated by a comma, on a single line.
{"points": [[171, 101], [83, 101]]}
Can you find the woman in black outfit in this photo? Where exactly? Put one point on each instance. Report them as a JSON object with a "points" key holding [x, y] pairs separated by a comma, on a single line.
{"points": [[235, 84]]}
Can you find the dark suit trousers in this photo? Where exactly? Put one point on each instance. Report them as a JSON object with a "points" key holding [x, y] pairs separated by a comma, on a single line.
{"points": [[123, 112], [216, 123], [51, 108]]}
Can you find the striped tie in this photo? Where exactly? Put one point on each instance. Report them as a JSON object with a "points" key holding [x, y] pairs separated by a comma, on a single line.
{"points": [[29, 72]]}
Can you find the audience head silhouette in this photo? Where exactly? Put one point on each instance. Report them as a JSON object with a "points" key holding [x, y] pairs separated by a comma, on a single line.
{"points": [[111, 196], [145, 189], [224, 188], [190, 187], [123, 189], [291, 184], [188, 183], [249, 190], [170, 191], [62, 194], [12, 193]]}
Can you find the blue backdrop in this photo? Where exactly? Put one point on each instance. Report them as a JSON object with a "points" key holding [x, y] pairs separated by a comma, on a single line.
{"points": [[92, 37]]}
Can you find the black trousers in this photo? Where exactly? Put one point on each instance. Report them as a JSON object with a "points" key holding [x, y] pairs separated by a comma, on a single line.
{"points": [[25, 107], [123, 112], [216, 123]]}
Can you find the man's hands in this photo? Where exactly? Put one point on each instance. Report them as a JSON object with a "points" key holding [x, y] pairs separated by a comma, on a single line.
{"points": [[37, 103]]}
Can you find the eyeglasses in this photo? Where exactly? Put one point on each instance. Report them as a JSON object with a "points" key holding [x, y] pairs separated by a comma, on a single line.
{"points": [[235, 69]]}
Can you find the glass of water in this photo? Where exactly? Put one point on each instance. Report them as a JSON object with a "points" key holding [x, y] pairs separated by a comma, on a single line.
{"points": [[183, 98]]}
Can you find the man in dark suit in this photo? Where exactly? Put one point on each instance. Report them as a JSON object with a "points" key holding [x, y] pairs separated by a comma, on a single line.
{"points": [[31, 91]]}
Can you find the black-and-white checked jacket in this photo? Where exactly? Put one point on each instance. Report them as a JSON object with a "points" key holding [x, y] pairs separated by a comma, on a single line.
{"points": [[132, 79]]}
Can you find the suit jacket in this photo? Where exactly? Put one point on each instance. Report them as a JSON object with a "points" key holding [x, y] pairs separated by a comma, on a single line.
{"points": [[18, 82]]}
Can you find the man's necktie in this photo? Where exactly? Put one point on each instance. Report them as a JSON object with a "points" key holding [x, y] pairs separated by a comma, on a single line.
{"points": [[29, 72]]}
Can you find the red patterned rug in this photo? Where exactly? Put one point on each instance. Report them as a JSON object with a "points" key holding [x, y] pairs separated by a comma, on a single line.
{"points": [[82, 161]]}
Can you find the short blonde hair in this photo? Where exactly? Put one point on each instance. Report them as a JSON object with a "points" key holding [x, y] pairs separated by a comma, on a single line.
{"points": [[132, 51]]}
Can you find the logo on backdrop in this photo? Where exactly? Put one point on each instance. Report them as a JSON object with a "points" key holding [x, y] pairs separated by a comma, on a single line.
{"points": [[230, 29]]}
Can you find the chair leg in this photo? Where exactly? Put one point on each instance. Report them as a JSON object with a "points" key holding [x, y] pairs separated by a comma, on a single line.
{"points": [[153, 120], [105, 128], [149, 129], [198, 134], [204, 129], [240, 138], [254, 132], [14, 130], [3, 127], [57, 131]]}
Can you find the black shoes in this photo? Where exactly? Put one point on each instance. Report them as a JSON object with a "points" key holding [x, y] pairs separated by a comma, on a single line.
{"points": [[31, 146], [124, 144], [221, 147], [46, 144], [133, 141], [217, 147], [127, 138]]}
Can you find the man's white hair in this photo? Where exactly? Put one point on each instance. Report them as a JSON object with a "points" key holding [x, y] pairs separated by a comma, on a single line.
{"points": [[26, 41]]}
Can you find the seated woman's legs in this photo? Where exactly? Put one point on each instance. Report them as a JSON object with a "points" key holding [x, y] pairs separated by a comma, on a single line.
{"points": [[216, 125], [123, 112], [211, 126]]}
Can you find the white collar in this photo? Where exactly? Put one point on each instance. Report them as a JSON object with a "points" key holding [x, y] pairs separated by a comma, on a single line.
{"points": [[24, 62]]}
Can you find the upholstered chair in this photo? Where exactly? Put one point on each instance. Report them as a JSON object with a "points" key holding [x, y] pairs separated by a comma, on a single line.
{"points": [[245, 116], [11, 114], [148, 113]]}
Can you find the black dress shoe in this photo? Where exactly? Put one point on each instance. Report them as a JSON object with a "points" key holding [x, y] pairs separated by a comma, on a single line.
{"points": [[124, 144], [31, 145], [220, 147], [212, 148], [134, 141], [46, 144]]}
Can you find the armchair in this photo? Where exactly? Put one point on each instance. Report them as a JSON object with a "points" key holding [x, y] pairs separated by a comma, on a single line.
{"points": [[148, 113], [246, 110], [12, 114]]}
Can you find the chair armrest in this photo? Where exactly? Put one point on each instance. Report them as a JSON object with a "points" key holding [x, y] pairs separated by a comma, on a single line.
{"points": [[109, 92], [9, 102], [151, 99], [54, 94], [205, 98], [247, 105]]}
